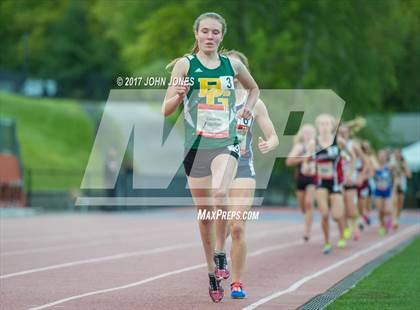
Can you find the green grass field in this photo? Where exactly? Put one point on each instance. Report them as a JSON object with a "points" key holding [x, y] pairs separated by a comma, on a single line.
{"points": [[393, 285], [53, 134]]}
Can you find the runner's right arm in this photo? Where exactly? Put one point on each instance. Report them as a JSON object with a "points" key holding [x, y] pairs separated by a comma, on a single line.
{"points": [[175, 94]]}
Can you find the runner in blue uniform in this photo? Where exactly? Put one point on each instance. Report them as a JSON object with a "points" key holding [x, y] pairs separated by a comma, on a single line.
{"points": [[383, 183]]}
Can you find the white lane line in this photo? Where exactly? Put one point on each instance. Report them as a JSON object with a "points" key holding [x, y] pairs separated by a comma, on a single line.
{"points": [[160, 276], [86, 235], [81, 245], [131, 254], [102, 259], [302, 281], [54, 248], [76, 245]]}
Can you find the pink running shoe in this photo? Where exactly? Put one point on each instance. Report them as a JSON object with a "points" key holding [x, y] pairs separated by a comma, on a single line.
{"points": [[221, 272], [216, 291]]}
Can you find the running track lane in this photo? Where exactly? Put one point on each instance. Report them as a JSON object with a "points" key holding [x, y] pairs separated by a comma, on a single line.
{"points": [[76, 277], [185, 288], [188, 288]]}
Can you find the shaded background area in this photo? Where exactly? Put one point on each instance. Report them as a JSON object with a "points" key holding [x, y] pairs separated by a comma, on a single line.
{"points": [[59, 60]]}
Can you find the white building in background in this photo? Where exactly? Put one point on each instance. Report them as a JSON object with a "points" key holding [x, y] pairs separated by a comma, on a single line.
{"points": [[411, 155]]}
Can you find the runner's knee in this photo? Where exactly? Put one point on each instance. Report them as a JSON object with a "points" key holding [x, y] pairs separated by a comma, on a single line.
{"points": [[336, 216], [237, 230], [308, 206], [219, 196], [337, 213], [324, 212]]}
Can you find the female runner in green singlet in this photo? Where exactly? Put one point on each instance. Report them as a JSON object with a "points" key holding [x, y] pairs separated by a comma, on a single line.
{"points": [[211, 146]]}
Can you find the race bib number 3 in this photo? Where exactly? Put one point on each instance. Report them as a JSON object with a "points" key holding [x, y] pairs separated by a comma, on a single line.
{"points": [[212, 121], [226, 82]]}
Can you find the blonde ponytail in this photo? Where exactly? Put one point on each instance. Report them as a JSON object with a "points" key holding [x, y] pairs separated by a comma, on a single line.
{"points": [[356, 124]]}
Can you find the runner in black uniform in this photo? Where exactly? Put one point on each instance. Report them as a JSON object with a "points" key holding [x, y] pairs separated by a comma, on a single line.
{"points": [[329, 178]]}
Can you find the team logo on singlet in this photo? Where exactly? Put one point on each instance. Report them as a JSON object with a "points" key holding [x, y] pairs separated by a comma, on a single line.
{"points": [[213, 112], [216, 90]]}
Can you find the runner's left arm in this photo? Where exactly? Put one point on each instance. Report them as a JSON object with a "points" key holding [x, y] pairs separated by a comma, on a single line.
{"points": [[248, 82], [267, 127]]}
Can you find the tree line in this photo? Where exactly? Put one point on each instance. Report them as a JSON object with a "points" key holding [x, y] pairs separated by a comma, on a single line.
{"points": [[366, 51]]}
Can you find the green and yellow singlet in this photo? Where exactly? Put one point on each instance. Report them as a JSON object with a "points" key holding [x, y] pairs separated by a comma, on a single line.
{"points": [[209, 107]]}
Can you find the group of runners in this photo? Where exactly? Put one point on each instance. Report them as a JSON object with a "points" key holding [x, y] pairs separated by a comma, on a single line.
{"points": [[221, 103], [342, 175]]}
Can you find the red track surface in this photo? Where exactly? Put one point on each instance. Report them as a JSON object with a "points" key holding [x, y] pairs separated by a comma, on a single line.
{"points": [[122, 261]]}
